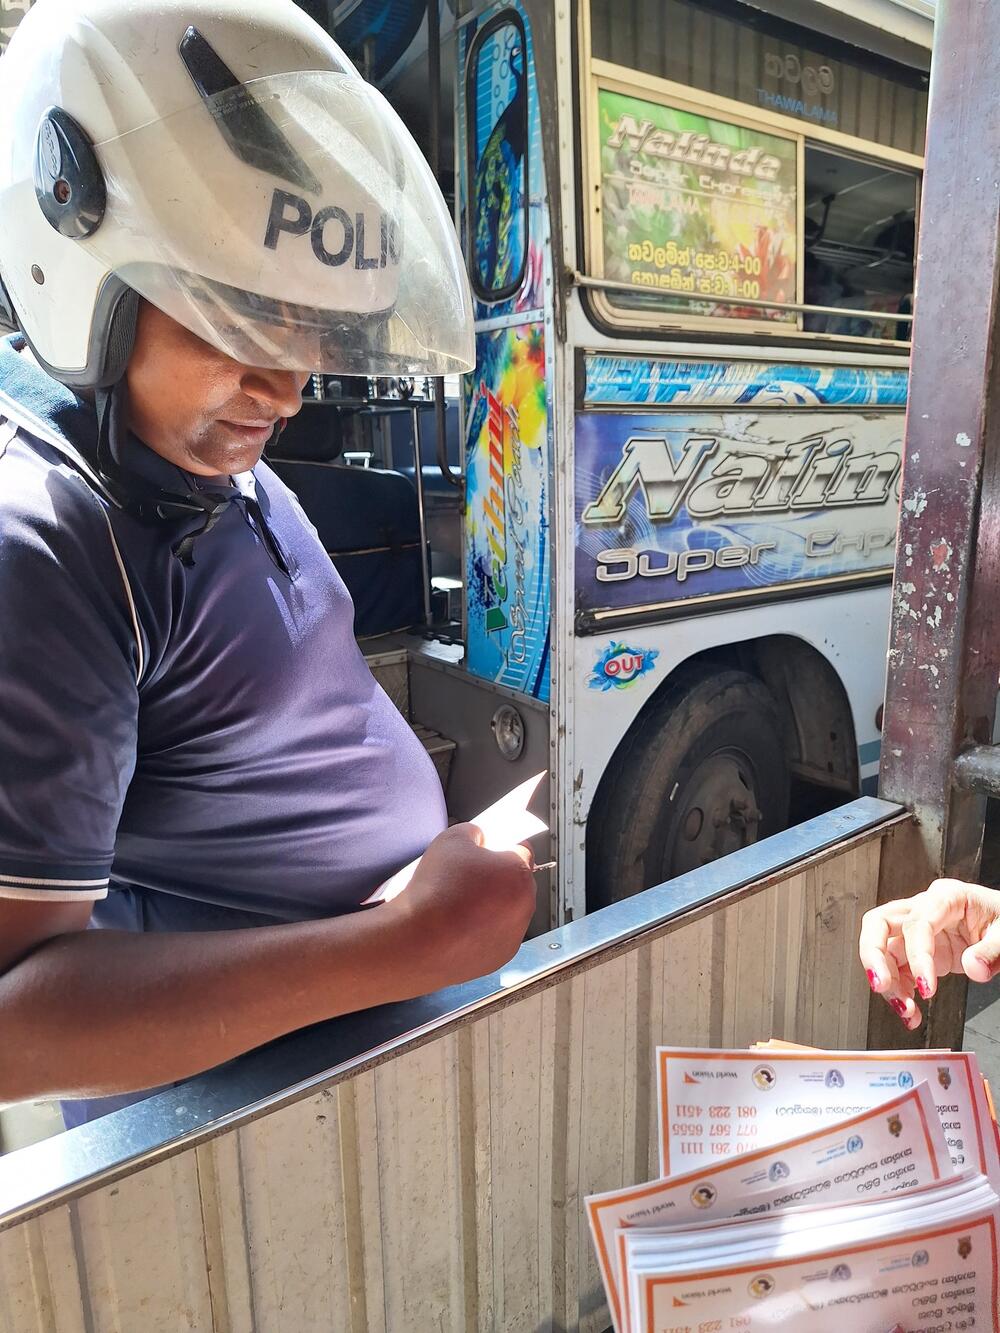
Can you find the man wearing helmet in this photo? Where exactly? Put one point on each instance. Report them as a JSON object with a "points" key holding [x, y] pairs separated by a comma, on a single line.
{"points": [[202, 202]]}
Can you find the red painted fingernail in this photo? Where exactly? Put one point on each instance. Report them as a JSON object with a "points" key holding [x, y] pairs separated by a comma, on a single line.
{"points": [[924, 988], [872, 979], [899, 1006]]}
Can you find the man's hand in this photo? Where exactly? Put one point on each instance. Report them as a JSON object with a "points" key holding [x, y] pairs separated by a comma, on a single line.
{"points": [[464, 913], [906, 945], [79, 1004]]}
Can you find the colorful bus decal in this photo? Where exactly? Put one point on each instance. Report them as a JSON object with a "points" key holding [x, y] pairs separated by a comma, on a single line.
{"points": [[498, 164], [507, 527], [674, 506], [502, 198], [507, 427], [641, 381]]}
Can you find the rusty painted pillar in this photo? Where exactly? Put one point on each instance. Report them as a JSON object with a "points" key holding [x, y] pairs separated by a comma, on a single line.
{"points": [[944, 656]]}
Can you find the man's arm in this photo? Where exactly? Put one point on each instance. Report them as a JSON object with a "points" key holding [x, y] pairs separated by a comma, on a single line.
{"points": [[93, 1013]]}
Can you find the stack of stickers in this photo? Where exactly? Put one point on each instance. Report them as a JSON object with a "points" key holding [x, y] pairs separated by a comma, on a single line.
{"points": [[798, 1185]]}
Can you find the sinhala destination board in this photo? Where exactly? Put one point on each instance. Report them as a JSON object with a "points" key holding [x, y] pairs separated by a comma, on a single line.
{"points": [[697, 206]]}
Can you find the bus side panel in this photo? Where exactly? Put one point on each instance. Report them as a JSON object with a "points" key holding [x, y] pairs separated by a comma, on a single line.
{"points": [[721, 480], [709, 496], [507, 549], [507, 417], [849, 629]]}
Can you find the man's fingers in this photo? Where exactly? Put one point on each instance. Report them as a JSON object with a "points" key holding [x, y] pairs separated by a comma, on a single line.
{"points": [[470, 831], [526, 855]]}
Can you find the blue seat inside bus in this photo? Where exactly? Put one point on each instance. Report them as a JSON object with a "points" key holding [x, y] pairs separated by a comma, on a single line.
{"points": [[366, 518], [401, 432]]}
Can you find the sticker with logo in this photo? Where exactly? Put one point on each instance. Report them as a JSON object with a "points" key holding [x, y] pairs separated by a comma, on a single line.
{"points": [[778, 1171], [761, 1286], [620, 666], [764, 1078], [704, 1195]]}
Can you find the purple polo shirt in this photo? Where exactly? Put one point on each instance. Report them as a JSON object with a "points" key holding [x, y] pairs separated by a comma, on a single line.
{"points": [[190, 747]]}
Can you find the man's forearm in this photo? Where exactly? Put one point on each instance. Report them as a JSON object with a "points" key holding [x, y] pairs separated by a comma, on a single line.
{"points": [[100, 1012]]}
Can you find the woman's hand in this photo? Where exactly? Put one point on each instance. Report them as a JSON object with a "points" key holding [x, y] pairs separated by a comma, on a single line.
{"points": [[907, 945]]}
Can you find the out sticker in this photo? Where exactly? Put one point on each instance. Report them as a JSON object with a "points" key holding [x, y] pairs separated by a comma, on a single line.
{"points": [[621, 665]]}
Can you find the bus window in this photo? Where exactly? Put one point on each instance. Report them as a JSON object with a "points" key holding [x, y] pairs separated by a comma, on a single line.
{"points": [[745, 173], [498, 160], [859, 243], [701, 210]]}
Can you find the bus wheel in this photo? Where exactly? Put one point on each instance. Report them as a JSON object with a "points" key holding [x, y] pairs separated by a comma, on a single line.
{"points": [[702, 773]]}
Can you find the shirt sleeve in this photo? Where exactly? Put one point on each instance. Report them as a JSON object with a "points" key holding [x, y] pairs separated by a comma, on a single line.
{"points": [[70, 657]]}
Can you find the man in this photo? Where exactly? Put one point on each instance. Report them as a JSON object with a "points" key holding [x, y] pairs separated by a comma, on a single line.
{"points": [[202, 202]]}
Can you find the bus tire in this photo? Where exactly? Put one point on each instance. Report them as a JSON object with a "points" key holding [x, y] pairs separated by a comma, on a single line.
{"points": [[700, 774]]}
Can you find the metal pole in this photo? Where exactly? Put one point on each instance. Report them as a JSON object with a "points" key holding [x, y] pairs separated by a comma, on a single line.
{"points": [[418, 477], [434, 158], [944, 655]]}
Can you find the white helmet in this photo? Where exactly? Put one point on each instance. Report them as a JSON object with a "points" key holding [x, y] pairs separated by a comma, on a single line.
{"points": [[224, 160]]}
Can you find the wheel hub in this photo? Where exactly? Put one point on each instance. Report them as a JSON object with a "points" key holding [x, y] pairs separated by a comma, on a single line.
{"points": [[719, 812]]}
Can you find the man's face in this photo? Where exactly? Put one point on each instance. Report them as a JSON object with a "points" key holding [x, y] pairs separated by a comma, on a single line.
{"points": [[198, 408]]}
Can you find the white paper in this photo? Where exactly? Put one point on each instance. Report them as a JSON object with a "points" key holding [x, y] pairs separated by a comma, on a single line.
{"points": [[504, 826], [763, 1097], [927, 1260], [897, 1146]]}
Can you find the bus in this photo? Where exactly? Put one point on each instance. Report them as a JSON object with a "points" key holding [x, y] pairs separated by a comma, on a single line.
{"points": [[646, 545], [690, 229]]}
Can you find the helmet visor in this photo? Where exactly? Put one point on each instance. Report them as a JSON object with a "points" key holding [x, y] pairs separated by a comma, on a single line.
{"points": [[293, 223]]}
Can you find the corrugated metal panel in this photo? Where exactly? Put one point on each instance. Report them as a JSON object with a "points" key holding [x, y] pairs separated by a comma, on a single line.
{"points": [[708, 51], [442, 1190]]}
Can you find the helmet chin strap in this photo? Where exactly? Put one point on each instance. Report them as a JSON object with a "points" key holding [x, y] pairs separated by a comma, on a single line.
{"points": [[134, 493]]}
